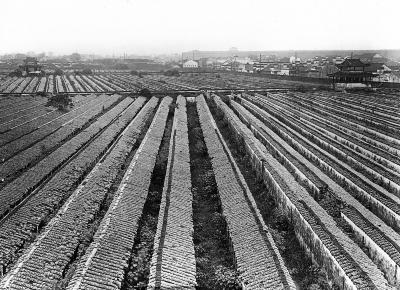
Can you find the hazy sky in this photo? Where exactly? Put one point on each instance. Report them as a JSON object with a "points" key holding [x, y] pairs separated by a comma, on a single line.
{"points": [[165, 26]]}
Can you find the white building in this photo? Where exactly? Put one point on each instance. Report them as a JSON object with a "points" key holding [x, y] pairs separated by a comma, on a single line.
{"points": [[190, 64], [337, 60], [389, 77], [283, 72]]}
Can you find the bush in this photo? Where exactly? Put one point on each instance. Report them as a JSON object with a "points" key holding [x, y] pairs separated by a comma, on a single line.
{"points": [[16, 73], [226, 278], [301, 89], [145, 93], [121, 66], [42, 94], [58, 72], [62, 102], [134, 72], [172, 72], [87, 71]]}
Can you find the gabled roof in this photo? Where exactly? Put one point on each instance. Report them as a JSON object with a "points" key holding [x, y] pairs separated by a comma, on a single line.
{"points": [[190, 62], [351, 62]]}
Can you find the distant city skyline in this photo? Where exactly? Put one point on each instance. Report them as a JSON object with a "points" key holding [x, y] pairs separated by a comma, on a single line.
{"points": [[223, 54], [164, 27]]}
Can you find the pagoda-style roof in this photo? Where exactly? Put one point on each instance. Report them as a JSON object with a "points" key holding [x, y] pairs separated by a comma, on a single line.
{"points": [[351, 62]]}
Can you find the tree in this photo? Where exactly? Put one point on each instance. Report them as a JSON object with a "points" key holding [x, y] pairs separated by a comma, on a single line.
{"points": [[61, 101], [87, 71], [121, 66], [16, 73], [145, 93], [134, 72], [172, 72], [75, 57], [58, 71]]}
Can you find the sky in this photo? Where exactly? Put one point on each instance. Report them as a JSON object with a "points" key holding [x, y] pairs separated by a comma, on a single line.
{"points": [[172, 26]]}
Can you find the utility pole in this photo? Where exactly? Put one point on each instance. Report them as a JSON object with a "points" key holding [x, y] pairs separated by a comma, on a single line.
{"points": [[235, 62]]}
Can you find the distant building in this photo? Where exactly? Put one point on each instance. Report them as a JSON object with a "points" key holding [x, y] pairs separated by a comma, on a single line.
{"points": [[230, 65], [278, 68], [388, 77], [209, 63], [384, 73], [352, 72], [30, 66], [285, 71], [238, 65], [260, 65], [337, 60], [328, 69], [376, 68], [190, 64], [202, 62]]}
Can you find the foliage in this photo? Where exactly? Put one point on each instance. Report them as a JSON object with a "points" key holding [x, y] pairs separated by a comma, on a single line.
{"points": [[16, 73], [121, 66], [61, 101], [58, 72], [42, 94], [134, 72], [301, 89], [87, 71], [226, 278], [172, 73], [145, 92]]}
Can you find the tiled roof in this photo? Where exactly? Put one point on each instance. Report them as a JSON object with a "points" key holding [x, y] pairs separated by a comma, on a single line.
{"points": [[351, 62]]}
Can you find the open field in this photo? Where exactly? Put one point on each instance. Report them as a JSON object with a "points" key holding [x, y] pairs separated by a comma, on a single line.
{"points": [[123, 82], [272, 190]]}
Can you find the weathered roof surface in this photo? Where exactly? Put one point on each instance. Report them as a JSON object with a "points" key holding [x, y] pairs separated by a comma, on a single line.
{"points": [[352, 62]]}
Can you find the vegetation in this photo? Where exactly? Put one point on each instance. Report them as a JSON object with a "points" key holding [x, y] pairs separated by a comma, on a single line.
{"points": [[145, 93], [134, 72], [87, 71], [60, 101], [340, 178], [121, 66], [16, 73], [58, 72], [172, 73]]}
